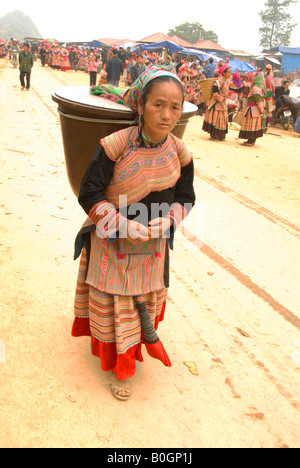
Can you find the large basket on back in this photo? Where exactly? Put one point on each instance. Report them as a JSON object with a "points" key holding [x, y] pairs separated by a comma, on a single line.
{"points": [[206, 88]]}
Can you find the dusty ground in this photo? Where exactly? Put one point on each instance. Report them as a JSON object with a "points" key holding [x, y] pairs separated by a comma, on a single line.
{"points": [[233, 303]]}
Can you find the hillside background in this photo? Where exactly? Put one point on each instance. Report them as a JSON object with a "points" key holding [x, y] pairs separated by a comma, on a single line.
{"points": [[18, 25]]}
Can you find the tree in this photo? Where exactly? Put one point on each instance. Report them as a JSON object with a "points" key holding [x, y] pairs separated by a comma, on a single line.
{"points": [[191, 32], [276, 26]]}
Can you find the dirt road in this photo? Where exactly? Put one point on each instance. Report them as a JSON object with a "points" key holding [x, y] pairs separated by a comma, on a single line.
{"points": [[233, 304]]}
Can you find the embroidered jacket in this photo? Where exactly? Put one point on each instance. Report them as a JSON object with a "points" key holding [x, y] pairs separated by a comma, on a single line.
{"points": [[160, 177]]}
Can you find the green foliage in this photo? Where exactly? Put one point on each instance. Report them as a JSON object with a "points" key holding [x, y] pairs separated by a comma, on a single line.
{"points": [[276, 26], [17, 25], [191, 33]]}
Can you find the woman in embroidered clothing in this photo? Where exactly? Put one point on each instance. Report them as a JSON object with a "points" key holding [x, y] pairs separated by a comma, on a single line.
{"points": [[236, 91], [56, 58], [137, 189], [102, 76], [269, 93], [64, 59], [216, 117], [246, 82], [251, 127]]}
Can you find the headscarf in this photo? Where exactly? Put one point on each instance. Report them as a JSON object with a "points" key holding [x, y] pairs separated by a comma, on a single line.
{"points": [[130, 97], [133, 94], [222, 70], [258, 84], [259, 80], [236, 78]]}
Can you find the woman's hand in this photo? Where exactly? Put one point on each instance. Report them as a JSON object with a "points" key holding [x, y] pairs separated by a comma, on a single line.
{"points": [[261, 108], [158, 227], [136, 233]]}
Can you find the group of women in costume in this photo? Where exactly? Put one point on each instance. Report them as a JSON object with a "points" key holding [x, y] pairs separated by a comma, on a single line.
{"points": [[191, 74], [254, 96], [58, 58], [67, 58]]}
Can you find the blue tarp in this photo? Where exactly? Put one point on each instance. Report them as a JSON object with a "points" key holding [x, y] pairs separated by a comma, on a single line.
{"points": [[172, 47], [285, 50], [290, 62], [241, 66], [96, 44], [201, 55], [159, 45], [290, 57]]}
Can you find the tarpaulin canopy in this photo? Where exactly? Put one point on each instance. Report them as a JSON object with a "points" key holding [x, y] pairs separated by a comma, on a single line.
{"points": [[95, 43], [241, 66], [200, 55], [131, 44], [263, 57], [172, 47], [285, 50]]}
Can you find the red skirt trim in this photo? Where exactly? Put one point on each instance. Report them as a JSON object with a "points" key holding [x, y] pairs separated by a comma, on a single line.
{"points": [[123, 365]]}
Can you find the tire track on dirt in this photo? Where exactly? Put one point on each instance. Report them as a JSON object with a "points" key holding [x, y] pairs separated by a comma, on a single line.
{"points": [[34, 112], [44, 102], [251, 204], [55, 113], [283, 391], [58, 78], [242, 278]]}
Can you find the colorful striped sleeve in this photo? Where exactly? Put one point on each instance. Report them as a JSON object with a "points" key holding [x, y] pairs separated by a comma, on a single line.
{"points": [[185, 197], [107, 219]]}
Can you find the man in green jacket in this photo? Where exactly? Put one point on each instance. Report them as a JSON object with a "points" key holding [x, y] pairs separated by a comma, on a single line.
{"points": [[25, 66]]}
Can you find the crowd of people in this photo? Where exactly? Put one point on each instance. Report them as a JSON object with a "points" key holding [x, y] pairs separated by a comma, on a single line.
{"points": [[251, 93]]}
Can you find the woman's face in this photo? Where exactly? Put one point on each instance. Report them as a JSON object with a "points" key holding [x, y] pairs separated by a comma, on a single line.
{"points": [[162, 110], [227, 73]]}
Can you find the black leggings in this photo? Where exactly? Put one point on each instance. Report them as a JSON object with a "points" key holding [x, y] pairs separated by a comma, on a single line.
{"points": [[22, 79], [93, 76]]}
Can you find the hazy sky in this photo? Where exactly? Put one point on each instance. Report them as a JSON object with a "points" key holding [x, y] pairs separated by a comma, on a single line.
{"points": [[66, 21]]}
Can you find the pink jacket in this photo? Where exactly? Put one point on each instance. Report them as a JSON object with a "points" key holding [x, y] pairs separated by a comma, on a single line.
{"points": [[93, 66]]}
